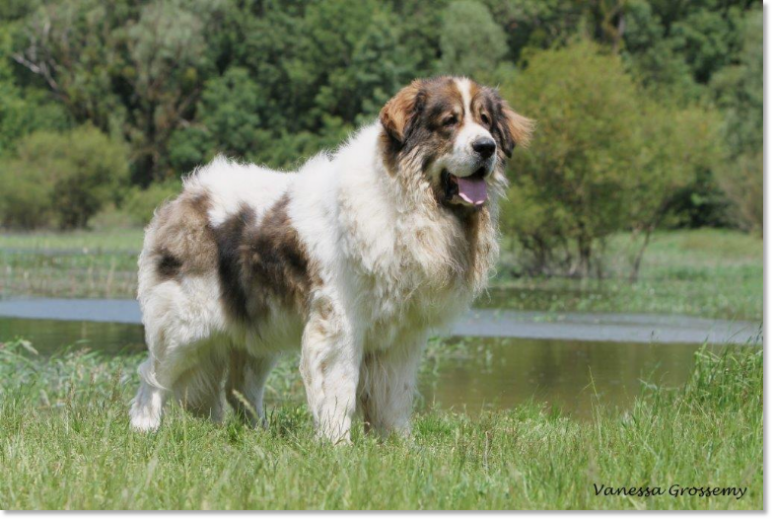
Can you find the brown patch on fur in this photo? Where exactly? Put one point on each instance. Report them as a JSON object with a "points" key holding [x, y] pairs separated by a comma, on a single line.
{"points": [[234, 284], [277, 259], [264, 261], [168, 266], [396, 114], [184, 242]]}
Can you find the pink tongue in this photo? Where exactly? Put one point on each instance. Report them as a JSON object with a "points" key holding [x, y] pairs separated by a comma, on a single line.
{"points": [[472, 190]]}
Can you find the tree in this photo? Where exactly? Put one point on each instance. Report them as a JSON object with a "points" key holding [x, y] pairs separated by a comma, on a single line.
{"points": [[471, 42], [229, 122], [676, 144], [604, 157], [738, 90], [23, 111], [274, 81]]}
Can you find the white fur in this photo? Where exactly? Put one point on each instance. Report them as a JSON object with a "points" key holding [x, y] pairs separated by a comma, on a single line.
{"points": [[391, 273]]}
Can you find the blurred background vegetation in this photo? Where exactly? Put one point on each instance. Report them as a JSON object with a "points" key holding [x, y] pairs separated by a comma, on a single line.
{"points": [[649, 112]]}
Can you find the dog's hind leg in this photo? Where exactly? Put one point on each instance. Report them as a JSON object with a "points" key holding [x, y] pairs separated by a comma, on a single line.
{"points": [[200, 389], [148, 404], [170, 358], [247, 375]]}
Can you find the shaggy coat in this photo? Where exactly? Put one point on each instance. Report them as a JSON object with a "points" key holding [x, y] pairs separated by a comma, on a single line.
{"points": [[355, 258]]}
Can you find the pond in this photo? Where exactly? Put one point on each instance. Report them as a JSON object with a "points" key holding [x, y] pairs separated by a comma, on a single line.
{"points": [[568, 375], [466, 373]]}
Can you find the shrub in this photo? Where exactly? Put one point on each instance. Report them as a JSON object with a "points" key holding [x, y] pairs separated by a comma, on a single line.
{"points": [[140, 204], [25, 199], [65, 178], [742, 181]]}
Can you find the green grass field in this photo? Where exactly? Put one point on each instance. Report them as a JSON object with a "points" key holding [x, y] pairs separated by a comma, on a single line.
{"points": [[88, 241], [709, 273], [66, 444]]}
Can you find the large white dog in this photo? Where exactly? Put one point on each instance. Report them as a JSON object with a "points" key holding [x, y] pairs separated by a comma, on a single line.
{"points": [[354, 258]]}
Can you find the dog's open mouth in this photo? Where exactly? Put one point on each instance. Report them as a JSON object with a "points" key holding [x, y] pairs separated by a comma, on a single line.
{"points": [[468, 191]]}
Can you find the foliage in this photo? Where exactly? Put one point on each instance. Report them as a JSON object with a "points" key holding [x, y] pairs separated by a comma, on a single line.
{"points": [[63, 177], [472, 43], [23, 110], [742, 179], [140, 204], [274, 82], [605, 157], [739, 92]]}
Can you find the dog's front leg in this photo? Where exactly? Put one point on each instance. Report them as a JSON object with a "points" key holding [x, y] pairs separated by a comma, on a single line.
{"points": [[330, 367], [388, 383]]}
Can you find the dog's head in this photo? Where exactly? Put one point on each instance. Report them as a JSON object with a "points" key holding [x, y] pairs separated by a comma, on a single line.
{"points": [[459, 134]]}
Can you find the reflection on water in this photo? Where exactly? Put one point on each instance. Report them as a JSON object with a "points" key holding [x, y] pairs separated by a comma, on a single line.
{"points": [[532, 298], [49, 336], [467, 374], [569, 375]]}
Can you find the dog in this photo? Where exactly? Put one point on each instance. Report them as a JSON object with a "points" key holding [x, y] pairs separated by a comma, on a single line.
{"points": [[356, 258]]}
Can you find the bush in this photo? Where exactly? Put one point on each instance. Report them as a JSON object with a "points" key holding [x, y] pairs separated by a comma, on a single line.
{"points": [[25, 199], [61, 178], [140, 204], [742, 181]]}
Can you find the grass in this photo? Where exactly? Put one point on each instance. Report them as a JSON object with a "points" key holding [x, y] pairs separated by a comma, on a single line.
{"points": [[87, 241], [66, 444], [99, 263], [709, 273]]}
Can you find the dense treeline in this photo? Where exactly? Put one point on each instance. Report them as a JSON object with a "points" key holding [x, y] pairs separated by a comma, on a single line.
{"points": [[650, 112]]}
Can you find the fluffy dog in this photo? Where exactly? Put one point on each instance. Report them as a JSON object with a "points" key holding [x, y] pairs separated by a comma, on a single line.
{"points": [[355, 257]]}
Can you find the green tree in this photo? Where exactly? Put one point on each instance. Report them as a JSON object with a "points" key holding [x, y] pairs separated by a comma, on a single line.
{"points": [[472, 43], [604, 157], [738, 89], [22, 110], [229, 122]]}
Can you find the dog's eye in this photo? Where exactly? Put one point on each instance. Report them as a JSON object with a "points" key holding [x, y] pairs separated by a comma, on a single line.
{"points": [[485, 119], [450, 121]]}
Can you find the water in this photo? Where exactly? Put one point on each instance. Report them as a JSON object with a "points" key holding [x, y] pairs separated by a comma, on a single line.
{"points": [[567, 375], [469, 374], [601, 327], [49, 336]]}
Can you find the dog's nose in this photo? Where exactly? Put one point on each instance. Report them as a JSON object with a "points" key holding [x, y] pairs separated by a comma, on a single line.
{"points": [[484, 147]]}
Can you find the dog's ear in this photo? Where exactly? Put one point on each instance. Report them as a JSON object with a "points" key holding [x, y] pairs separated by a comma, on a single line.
{"points": [[397, 114], [512, 129]]}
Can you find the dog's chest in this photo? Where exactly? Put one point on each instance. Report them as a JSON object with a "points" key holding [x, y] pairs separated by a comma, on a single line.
{"points": [[419, 289]]}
